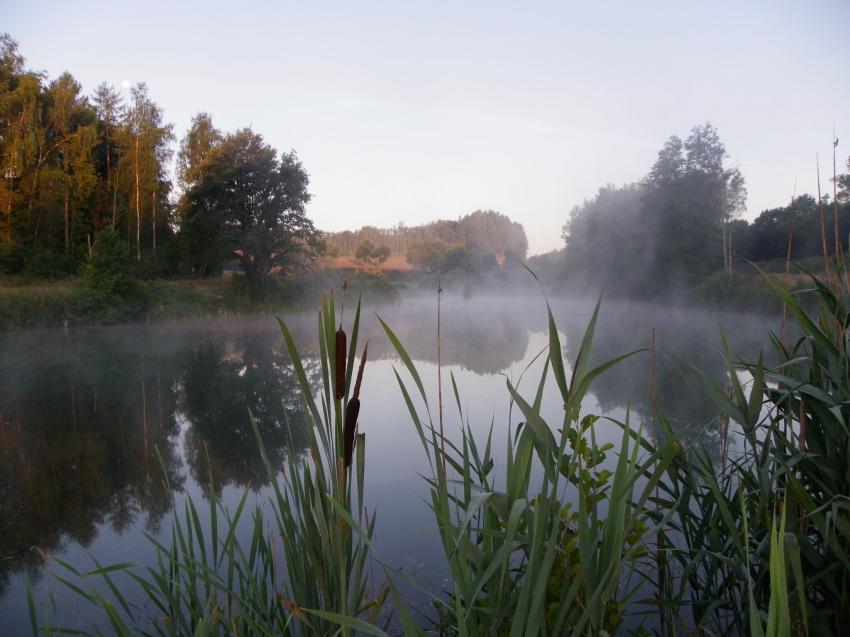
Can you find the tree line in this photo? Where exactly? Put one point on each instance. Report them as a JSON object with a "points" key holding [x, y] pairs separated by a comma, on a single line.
{"points": [[483, 231], [76, 168], [679, 225]]}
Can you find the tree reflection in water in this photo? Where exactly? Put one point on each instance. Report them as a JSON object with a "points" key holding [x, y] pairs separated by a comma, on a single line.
{"points": [[83, 415], [221, 380]]}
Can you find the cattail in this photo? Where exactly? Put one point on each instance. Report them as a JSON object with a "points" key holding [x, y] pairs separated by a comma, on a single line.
{"points": [[340, 352], [352, 411]]}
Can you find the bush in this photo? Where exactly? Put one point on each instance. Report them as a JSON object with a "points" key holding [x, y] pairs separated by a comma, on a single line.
{"points": [[735, 291], [111, 269], [11, 257], [46, 264]]}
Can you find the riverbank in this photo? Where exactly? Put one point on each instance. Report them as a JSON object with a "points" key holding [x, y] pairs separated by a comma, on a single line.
{"points": [[28, 303], [69, 302]]}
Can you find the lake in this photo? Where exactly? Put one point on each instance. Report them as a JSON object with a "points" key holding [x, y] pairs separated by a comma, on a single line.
{"points": [[91, 418]]}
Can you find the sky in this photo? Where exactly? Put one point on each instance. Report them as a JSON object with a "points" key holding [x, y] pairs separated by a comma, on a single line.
{"points": [[412, 111]]}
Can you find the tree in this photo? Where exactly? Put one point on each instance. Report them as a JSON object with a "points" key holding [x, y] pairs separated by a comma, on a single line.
{"points": [[844, 184], [150, 139], [363, 253], [368, 253], [200, 140], [691, 197], [248, 204], [107, 103], [426, 254], [670, 230], [73, 122], [493, 232], [381, 253]]}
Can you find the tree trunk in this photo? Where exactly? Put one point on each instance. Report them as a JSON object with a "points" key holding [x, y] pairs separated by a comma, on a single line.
{"points": [[153, 218], [67, 223], [115, 195], [109, 172], [138, 208]]}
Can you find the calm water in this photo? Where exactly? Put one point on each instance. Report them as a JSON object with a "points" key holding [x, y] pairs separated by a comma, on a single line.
{"points": [[82, 414]]}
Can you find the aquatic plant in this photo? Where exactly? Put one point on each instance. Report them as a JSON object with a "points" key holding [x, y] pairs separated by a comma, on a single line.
{"points": [[304, 571], [523, 561], [723, 549]]}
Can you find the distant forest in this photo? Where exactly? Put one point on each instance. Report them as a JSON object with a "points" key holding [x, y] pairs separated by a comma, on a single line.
{"points": [[483, 231]]}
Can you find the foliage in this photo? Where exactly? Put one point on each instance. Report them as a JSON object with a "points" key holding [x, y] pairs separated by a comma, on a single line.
{"points": [[522, 561], [427, 254], [484, 231], [247, 204], [207, 583], [368, 253], [110, 269], [72, 167], [667, 232], [722, 538]]}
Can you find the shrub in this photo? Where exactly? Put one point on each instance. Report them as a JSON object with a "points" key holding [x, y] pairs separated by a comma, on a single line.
{"points": [[111, 269]]}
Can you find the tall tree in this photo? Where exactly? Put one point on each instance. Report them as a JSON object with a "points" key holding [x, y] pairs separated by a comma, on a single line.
{"points": [[72, 121], [150, 139], [107, 102], [199, 141], [691, 196], [248, 204]]}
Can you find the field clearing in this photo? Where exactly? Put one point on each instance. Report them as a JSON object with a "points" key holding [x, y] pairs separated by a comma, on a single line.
{"points": [[396, 262]]}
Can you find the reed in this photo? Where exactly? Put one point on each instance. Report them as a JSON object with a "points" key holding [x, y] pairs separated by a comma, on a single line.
{"points": [[523, 560], [304, 569], [793, 420]]}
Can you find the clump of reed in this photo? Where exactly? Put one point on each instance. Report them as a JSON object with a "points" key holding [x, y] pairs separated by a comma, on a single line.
{"points": [[737, 567], [523, 560], [304, 567]]}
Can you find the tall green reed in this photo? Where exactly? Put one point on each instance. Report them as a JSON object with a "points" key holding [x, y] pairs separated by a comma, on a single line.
{"points": [[793, 420], [539, 545], [304, 570]]}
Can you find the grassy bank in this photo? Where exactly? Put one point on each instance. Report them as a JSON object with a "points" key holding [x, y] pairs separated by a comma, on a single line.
{"points": [[28, 303]]}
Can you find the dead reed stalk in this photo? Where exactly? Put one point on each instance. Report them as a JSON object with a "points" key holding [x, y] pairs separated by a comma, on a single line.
{"points": [[822, 227], [838, 254], [440, 372], [786, 281]]}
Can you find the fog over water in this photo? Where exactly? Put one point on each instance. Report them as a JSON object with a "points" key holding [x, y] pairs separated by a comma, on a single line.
{"points": [[83, 413]]}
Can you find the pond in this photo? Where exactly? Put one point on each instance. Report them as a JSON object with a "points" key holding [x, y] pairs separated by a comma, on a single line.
{"points": [[91, 420]]}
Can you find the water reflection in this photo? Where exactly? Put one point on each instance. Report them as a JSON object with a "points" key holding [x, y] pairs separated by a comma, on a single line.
{"points": [[682, 336], [79, 421], [83, 414], [220, 378]]}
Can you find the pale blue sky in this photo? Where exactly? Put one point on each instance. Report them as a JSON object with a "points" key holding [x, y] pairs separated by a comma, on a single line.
{"points": [[417, 110]]}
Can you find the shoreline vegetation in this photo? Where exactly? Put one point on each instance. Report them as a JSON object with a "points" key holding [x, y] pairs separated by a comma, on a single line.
{"points": [[74, 302], [563, 536]]}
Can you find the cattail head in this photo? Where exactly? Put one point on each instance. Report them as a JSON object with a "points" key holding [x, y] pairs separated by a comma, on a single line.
{"points": [[352, 410], [340, 352]]}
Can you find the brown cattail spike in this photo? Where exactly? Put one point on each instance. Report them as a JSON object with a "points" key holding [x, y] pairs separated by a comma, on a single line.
{"points": [[340, 352], [352, 410]]}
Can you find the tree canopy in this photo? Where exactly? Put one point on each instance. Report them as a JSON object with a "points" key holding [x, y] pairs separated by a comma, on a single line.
{"points": [[666, 231], [247, 203]]}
